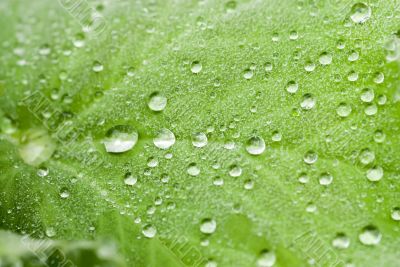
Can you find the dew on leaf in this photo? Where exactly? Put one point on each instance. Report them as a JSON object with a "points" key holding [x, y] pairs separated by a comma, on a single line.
{"points": [[208, 226], [341, 241], [360, 13], [310, 157], [375, 173], [157, 102], [235, 171], [130, 179], [379, 136], [120, 138], [248, 74], [149, 231], [276, 136], [379, 77], [199, 139], [97, 66], [395, 214], [367, 156], [255, 145], [218, 181], [370, 236], [325, 58], [42, 172], [308, 102], [325, 179], [268, 66], [343, 110], [292, 87], [266, 258], [303, 178], [353, 56], [164, 139], [367, 95], [371, 109], [50, 232], [196, 67], [193, 169], [310, 66]]}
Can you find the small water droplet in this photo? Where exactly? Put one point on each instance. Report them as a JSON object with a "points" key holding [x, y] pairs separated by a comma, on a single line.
{"points": [[193, 169], [325, 179], [395, 214], [375, 174], [266, 258], [308, 102], [367, 156], [157, 102], [379, 136], [50, 232], [292, 87], [199, 139], [379, 77], [341, 241], [196, 67], [303, 178], [343, 110], [248, 74], [235, 171], [130, 179], [64, 193], [325, 58], [371, 109], [208, 226], [97, 66], [370, 236], [310, 66], [367, 95], [310, 157], [42, 172]]}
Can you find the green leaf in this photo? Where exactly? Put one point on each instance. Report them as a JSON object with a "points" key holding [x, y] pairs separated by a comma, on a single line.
{"points": [[201, 133]]}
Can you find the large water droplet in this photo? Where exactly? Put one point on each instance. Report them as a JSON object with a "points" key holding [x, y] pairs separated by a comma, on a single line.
{"points": [[255, 145], [164, 139], [37, 147], [360, 13], [120, 138]]}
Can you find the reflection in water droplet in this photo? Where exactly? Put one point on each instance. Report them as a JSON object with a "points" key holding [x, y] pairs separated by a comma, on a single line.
{"points": [[308, 102], [120, 138], [325, 58], [130, 179], [164, 139], [235, 171], [37, 147], [292, 87], [396, 214], [310, 157], [375, 174], [325, 179], [97, 66], [193, 170], [343, 110]]}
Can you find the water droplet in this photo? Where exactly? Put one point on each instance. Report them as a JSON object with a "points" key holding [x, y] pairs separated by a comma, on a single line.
{"points": [[149, 231], [311, 207], [353, 56], [276, 136], [370, 236], [303, 178], [268, 66], [310, 66], [382, 99], [45, 50], [379, 136], [130, 179], [196, 67], [325, 58], [395, 214], [208, 226], [97, 66], [193, 170], [343, 110], [218, 181], [352, 76], [230, 6], [371, 109], [42, 172], [255, 145], [266, 259], [235, 171], [37, 147], [120, 138], [310, 157], [248, 74], [360, 13], [157, 102], [367, 95], [292, 87], [367, 156], [50, 232], [164, 139], [325, 179], [293, 35], [375, 174], [308, 102], [248, 184], [79, 40], [341, 241], [379, 77], [199, 139]]}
